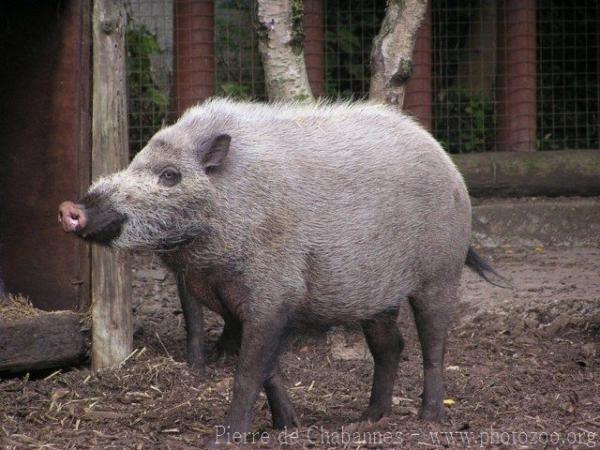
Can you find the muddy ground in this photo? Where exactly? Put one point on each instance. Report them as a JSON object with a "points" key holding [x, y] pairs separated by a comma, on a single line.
{"points": [[522, 371]]}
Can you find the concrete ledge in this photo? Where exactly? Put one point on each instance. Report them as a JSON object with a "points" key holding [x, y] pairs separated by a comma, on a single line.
{"points": [[548, 173], [536, 222]]}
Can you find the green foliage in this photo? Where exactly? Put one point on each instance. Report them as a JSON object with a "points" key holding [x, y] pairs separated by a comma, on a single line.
{"points": [[464, 122], [239, 71], [348, 40], [148, 104], [235, 90]]}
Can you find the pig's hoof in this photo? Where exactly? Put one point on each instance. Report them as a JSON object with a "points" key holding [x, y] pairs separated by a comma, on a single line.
{"points": [[196, 363], [286, 420], [364, 425], [374, 415], [437, 415]]}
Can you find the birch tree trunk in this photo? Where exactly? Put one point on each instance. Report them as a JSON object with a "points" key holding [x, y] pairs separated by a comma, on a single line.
{"points": [[278, 25], [391, 56]]}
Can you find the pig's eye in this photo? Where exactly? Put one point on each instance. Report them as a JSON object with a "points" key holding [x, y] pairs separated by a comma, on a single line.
{"points": [[169, 177]]}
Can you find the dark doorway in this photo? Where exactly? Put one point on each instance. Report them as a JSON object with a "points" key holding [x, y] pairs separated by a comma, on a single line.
{"points": [[44, 147]]}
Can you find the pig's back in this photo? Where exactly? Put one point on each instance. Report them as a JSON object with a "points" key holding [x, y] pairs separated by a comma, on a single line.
{"points": [[366, 163]]}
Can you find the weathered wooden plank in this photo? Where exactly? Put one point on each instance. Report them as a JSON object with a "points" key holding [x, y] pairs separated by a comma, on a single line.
{"points": [[112, 333], [41, 342], [85, 145]]}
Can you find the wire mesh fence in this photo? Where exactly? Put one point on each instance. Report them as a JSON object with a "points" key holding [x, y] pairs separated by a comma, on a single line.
{"points": [[503, 74], [464, 66], [568, 75], [349, 30], [150, 60]]}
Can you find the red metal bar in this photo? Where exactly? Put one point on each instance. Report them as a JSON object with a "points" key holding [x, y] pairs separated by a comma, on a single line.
{"points": [[417, 98], [194, 66], [517, 76]]}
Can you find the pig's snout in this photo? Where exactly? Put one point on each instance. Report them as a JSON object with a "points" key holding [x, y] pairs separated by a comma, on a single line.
{"points": [[72, 217], [92, 218]]}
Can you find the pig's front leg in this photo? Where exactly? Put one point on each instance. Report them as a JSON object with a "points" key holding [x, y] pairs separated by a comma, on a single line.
{"points": [[282, 410], [194, 325]]}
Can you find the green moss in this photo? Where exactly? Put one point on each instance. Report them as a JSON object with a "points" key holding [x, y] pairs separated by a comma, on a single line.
{"points": [[279, 80], [262, 33], [298, 35], [402, 75], [297, 11], [302, 97]]}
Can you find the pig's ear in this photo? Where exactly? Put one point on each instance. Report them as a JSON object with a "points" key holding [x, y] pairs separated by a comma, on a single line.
{"points": [[215, 152]]}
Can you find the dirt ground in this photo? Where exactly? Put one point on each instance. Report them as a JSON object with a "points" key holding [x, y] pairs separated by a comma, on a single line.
{"points": [[522, 371]]}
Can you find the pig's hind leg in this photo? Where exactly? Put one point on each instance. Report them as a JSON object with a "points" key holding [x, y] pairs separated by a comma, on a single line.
{"points": [[194, 325], [432, 308], [385, 343]]}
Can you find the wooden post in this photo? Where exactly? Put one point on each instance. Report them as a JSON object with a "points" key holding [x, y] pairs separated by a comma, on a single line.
{"points": [[112, 330]]}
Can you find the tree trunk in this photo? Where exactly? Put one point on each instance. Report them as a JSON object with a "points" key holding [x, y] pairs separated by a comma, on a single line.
{"points": [[112, 329], [280, 34], [391, 56]]}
